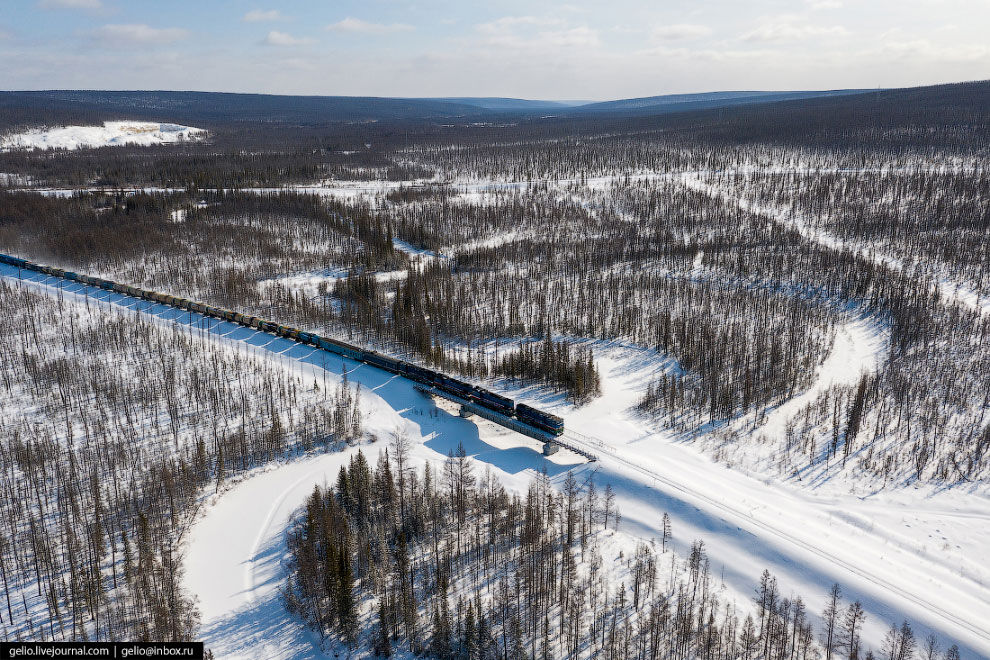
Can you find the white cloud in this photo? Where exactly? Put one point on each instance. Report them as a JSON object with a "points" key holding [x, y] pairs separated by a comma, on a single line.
{"points": [[358, 26], [579, 37], [507, 23], [824, 4], [122, 35], [895, 45], [276, 38], [71, 4], [720, 56], [522, 35], [788, 31], [263, 16], [680, 32]]}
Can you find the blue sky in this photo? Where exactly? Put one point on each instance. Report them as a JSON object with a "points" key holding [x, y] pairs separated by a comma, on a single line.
{"points": [[569, 50]]}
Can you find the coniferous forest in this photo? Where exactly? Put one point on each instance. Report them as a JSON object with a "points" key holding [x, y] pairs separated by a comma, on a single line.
{"points": [[447, 564]]}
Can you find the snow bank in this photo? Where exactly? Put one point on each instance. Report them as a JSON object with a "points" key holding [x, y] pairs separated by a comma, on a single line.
{"points": [[112, 133]]}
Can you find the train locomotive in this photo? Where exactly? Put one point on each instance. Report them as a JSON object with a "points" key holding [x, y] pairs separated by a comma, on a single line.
{"points": [[546, 422]]}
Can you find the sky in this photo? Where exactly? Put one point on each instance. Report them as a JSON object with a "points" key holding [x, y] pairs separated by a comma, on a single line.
{"points": [[574, 50]]}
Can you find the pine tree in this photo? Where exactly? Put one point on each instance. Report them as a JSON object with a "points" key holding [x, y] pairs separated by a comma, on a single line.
{"points": [[383, 646], [667, 534], [852, 624], [346, 604], [608, 509], [469, 644], [220, 469], [830, 619]]}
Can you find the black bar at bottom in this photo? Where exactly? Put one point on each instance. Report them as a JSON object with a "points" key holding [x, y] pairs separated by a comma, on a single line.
{"points": [[90, 650]]}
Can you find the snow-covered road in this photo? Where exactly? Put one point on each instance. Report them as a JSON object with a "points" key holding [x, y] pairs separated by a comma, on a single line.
{"points": [[901, 558], [900, 554]]}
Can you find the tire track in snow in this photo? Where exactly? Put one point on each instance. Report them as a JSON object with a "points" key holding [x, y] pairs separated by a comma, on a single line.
{"points": [[857, 349], [264, 532]]}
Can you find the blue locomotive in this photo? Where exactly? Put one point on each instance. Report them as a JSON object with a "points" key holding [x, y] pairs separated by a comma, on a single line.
{"points": [[503, 405], [541, 420]]}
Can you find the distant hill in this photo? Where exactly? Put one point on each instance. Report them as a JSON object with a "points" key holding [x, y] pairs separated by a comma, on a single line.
{"points": [[648, 104], [702, 101], [498, 104], [746, 111], [951, 116], [207, 107]]}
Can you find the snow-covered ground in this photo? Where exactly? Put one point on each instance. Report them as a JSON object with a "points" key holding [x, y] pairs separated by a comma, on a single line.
{"points": [[238, 594], [112, 133], [904, 554], [309, 283], [415, 253], [859, 347], [901, 558], [948, 288]]}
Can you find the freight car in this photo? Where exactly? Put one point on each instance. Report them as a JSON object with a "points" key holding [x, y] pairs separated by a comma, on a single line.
{"points": [[479, 395], [540, 419], [420, 374], [341, 348], [494, 401], [14, 261]]}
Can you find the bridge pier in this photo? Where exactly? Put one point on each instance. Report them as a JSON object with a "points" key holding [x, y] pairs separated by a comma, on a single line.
{"points": [[550, 448], [465, 413]]}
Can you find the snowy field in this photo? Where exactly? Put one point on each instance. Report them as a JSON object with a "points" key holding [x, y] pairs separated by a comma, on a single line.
{"points": [[112, 133], [906, 554]]}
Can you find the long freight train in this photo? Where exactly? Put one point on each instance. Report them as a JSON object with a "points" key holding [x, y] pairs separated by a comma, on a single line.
{"points": [[537, 418]]}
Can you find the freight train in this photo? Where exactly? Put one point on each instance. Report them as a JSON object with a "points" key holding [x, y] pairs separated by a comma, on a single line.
{"points": [[539, 419]]}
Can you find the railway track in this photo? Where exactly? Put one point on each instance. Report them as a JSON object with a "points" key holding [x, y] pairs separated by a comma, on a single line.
{"points": [[783, 535], [498, 409]]}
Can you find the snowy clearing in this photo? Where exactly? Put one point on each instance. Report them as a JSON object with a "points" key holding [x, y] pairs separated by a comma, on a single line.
{"points": [[112, 133], [909, 552]]}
